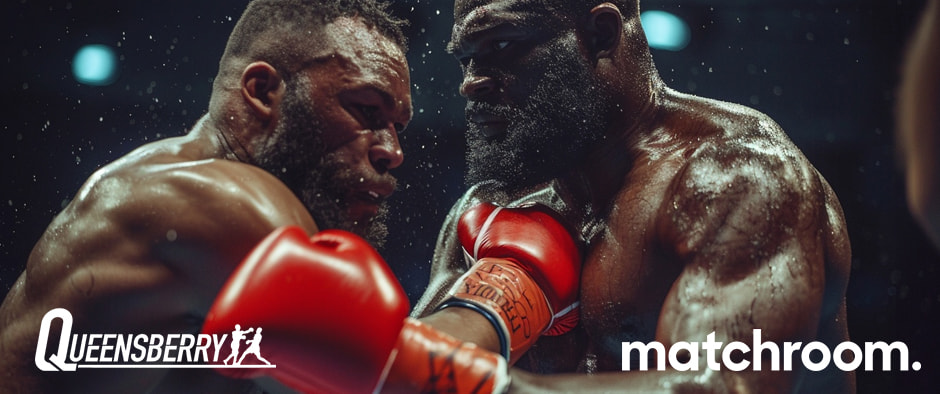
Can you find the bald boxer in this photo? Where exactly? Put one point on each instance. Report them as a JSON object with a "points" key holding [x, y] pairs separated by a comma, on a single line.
{"points": [[918, 121], [701, 217]]}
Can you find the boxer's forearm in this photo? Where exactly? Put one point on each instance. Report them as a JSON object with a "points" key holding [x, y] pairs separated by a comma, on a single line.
{"points": [[465, 325]]}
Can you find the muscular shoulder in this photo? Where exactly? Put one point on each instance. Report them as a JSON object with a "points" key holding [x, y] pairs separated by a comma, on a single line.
{"points": [[152, 224], [144, 245], [746, 187], [159, 189]]}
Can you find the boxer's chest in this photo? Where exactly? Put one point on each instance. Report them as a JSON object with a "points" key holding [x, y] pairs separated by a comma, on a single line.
{"points": [[625, 279], [624, 283]]}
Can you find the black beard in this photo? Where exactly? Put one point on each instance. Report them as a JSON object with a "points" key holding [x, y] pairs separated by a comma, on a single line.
{"points": [[548, 134], [299, 159]]}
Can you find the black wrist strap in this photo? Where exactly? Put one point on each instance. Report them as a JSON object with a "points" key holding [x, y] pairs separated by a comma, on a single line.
{"points": [[489, 315]]}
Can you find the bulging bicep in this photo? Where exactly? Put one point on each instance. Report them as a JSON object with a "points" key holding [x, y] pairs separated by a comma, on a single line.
{"points": [[747, 233]]}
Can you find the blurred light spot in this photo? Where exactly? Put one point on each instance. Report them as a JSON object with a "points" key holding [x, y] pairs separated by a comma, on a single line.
{"points": [[665, 31], [95, 65]]}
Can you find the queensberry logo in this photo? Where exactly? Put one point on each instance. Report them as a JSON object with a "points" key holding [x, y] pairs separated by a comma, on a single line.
{"points": [[75, 351]]}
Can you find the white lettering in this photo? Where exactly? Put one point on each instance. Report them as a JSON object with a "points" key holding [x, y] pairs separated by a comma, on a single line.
{"points": [[56, 362], [218, 345], [763, 351], [139, 342], [156, 347], [167, 354], [164, 350], [710, 347], [789, 348], [807, 352], [840, 361], [89, 351], [203, 348], [689, 365], [871, 347], [758, 349], [643, 351], [105, 348], [188, 347], [726, 356], [81, 348], [122, 351]]}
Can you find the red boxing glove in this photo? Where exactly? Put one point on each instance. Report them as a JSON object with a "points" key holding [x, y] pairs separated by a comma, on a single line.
{"points": [[525, 269], [429, 361], [334, 320]]}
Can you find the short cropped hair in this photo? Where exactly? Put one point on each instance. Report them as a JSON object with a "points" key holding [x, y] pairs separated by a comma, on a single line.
{"points": [[280, 31], [580, 8], [573, 9]]}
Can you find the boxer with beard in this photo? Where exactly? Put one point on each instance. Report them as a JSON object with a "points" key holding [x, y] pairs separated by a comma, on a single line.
{"points": [[289, 171], [699, 217], [323, 186], [536, 143], [302, 130]]}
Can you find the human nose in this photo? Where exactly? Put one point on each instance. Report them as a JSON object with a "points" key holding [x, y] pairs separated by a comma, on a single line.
{"points": [[476, 86], [386, 154]]}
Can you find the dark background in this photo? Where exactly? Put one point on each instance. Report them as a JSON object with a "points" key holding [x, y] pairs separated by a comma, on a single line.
{"points": [[826, 70]]}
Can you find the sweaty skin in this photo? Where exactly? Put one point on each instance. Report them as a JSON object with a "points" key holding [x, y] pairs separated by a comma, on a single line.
{"points": [[149, 239], [699, 216], [143, 248]]}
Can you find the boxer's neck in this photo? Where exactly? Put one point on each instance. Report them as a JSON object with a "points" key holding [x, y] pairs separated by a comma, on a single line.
{"points": [[599, 178], [220, 142]]}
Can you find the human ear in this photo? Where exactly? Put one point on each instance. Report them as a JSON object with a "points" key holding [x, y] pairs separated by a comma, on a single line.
{"points": [[604, 30], [261, 88]]}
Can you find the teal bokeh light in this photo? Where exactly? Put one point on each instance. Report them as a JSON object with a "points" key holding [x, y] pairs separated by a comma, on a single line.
{"points": [[95, 65], [665, 31]]}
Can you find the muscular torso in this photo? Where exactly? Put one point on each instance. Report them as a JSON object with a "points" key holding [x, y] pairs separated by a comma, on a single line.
{"points": [[143, 248], [718, 216]]}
